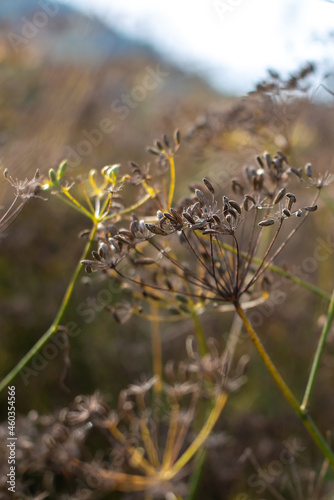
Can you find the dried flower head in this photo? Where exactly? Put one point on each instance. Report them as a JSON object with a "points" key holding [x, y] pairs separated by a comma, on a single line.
{"points": [[207, 249]]}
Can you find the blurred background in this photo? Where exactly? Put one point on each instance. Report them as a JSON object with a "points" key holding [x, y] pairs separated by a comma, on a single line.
{"points": [[96, 83]]}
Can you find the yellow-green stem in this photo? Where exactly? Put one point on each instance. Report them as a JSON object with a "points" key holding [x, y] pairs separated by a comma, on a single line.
{"points": [[53, 328], [306, 419], [318, 353], [172, 182], [200, 438]]}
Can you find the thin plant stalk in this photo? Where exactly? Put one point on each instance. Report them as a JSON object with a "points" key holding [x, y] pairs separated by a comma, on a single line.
{"points": [[306, 419], [200, 438], [318, 353], [156, 347], [172, 182], [60, 314]]}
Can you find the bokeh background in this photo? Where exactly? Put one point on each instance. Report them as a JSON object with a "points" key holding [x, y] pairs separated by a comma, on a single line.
{"points": [[146, 68]]}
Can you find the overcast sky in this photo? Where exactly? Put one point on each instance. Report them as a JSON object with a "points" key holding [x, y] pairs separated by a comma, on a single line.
{"points": [[232, 42]]}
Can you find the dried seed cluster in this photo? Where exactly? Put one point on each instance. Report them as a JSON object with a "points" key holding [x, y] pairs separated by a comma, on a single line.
{"points": [[203, 249]]}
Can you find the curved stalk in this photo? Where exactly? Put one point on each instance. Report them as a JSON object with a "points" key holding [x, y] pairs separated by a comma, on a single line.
{"points": [[318, 353], [306, 419], [54, 327]]}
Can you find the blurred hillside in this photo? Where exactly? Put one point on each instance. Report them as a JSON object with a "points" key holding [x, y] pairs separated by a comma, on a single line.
{"points": [[72, 87]]}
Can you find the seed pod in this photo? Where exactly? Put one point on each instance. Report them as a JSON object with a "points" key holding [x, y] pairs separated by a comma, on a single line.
{"points": [[195, 209], [282, 156], [268, 159], [229, 218], [209, 185], [297, 172], [6, 173], [277, 162], [299, 213], [61, 169], [177, 137], [166, 141], [142, 226], [134, 165], [156, 229], [96, 255], [154, 151], [311, 209], [279, 196], [188, 218], [286, 212], [267, 222], [160, 214], [53, 177], [170, 217], [122, 239], [236, 206], [260, 162], [308, 170], [291, 200], [177, 216], [248, 201], [159, 145], [134, 226], [225, 203], [126, 232], [117, 245], [202, 199], [216, 219], [230, 211]]}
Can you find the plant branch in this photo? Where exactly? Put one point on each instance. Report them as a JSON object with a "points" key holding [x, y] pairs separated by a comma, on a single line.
{"points": [[318, 353], [306, 419], [54, 327]]}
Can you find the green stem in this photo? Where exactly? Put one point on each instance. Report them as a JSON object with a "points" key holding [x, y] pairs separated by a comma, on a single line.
{"points": [[53, 328], [306, 419], [199, 439], [195, 477], [318, 353]]}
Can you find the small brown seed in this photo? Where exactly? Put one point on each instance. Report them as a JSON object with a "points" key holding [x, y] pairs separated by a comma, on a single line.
{"points": [[201, 196], [235, 205], [308, 170], [297, 172], [279, 196], [209, 185], [188, 218], [268, 222], [311, 209], [156, 229]]}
